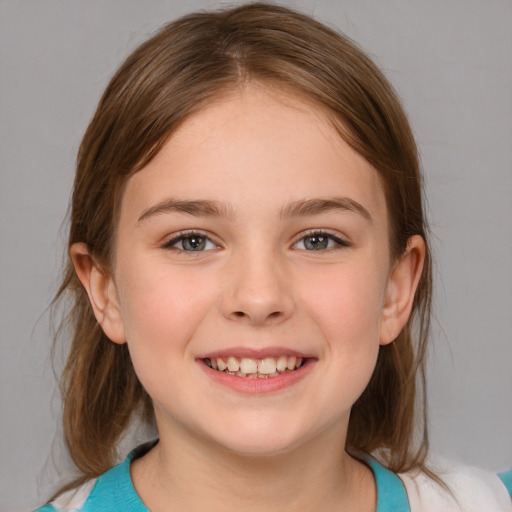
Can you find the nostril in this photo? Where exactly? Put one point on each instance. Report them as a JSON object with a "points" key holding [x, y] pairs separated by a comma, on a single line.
{"points": [[242, 314]]}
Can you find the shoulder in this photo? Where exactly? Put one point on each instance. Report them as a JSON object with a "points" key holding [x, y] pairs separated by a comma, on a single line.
{"points": [[111, 491], [71, 501], [506, 478], [470, 490]]}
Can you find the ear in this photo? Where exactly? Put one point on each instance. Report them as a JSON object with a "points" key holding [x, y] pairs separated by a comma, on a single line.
{"points": [[401, 288], [102, 293]]}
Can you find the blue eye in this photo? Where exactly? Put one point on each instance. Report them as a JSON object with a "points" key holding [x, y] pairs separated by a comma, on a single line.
{"points": [[319, 242], [192, 242]]}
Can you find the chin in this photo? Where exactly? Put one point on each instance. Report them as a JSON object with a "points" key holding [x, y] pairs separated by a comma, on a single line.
{"points": [[256, 440], [254, 448]]}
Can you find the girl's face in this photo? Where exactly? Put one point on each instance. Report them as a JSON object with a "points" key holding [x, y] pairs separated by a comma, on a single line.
{"points": [[257, 239]]}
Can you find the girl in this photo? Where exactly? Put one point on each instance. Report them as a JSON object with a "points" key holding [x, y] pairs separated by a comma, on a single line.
{"points": [[251, 273]]}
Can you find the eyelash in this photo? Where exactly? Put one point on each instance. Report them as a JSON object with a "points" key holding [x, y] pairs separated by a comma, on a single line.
{"points": [[188, 235], [330, 237]]}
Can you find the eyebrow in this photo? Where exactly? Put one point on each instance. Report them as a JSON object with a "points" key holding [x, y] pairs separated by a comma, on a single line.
{"points": [[300, 208], [197, 208], [307, 207]]}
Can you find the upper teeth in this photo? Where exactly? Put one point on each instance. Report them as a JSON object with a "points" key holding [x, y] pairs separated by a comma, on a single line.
{"points": [[248, 366]]}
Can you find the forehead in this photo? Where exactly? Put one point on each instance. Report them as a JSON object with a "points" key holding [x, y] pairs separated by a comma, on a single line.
{"points": [[256, 147]]}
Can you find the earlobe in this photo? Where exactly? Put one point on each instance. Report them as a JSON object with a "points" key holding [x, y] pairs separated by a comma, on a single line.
{"points": [[402, 284], [101, 291]]}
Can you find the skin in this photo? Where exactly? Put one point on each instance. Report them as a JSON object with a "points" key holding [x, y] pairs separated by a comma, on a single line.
{"points": [[254, 153]]}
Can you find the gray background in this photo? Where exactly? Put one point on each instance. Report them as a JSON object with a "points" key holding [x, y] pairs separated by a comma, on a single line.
{"points": [[451, 61]]}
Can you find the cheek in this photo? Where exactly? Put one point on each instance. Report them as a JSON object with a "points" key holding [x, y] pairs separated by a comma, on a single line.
{"points": [[347, 303], [347, 307], [161, 309]]}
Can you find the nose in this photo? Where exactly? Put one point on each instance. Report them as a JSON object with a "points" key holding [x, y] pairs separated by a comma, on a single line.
{"points": [[257, 291]]}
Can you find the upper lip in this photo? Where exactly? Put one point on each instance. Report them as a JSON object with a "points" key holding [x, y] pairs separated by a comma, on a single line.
{"points": [[255, 353]]}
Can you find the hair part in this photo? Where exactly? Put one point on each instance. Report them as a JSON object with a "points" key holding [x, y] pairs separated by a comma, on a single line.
{"points": [[188, 64]]}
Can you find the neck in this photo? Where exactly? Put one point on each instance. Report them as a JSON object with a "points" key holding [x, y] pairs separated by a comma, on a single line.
{"points": [[189, 475]]}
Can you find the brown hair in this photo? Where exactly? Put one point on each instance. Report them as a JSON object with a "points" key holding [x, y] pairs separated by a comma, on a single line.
{"points": [[187, 64]]}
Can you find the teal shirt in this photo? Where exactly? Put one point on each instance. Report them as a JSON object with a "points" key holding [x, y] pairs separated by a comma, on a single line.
{"points": [[506, 478], [114, 490]]}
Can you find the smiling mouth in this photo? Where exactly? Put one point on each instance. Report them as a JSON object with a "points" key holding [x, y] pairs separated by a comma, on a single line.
{"points": [[250, 368]]}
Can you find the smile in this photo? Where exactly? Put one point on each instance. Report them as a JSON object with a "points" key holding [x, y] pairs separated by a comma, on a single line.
{"points": [[251, 368]]}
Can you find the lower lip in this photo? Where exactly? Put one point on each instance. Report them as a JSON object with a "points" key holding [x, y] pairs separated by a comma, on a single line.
{"points": [[258, 386]]}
